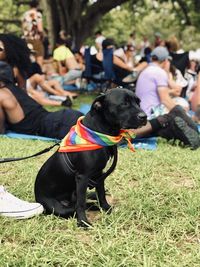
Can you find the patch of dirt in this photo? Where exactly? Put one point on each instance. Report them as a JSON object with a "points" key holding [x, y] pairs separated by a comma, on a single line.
{"points": [[184, 182], [95, 215]]}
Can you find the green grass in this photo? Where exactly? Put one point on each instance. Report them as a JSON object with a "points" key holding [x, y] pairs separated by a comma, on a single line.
{"points": [[155, 221]]}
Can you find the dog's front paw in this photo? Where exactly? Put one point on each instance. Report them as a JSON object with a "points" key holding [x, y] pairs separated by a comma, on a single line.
{"points": [[107, 208], [84, 224]]}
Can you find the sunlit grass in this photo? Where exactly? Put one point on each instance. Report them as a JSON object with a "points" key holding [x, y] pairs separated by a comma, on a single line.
{"points": [[155, 221]]}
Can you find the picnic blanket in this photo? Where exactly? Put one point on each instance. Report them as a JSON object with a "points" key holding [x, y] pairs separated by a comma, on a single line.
{"points": [[149, 143], [142, 143], [28, 136], [139, 143]]}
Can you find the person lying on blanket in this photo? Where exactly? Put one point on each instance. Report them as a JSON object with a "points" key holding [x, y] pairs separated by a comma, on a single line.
{"points": [[21, 114]]}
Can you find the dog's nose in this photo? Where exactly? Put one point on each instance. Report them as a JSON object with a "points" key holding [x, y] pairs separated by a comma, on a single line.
{"points": [[142, 116]]}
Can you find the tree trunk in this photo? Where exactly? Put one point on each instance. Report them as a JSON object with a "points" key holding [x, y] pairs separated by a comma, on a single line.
{"points": [[77, 17], [52, 18]]}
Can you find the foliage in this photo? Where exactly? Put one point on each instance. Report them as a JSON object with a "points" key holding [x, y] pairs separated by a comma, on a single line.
{"points": [[180, 18], [147, 17], [11, 13], [111, 25]]}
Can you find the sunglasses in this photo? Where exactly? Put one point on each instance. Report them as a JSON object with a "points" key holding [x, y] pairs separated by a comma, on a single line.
{"points": [[1, 49]]}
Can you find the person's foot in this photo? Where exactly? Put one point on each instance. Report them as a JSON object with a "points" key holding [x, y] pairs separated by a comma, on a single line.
{"points": [[11, 206], [178, 111], [176, 125], [131, 77], [186, 134], [71, 95], [67, 102]]}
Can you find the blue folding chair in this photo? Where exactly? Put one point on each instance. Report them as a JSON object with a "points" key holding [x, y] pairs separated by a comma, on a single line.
{"points": [[109, 74], [88, 72], [106, 75], [110, 70]]}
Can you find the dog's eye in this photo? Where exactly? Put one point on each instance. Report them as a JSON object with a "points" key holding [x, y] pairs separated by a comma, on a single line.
{"points": [[137, 100], [126, 103]]}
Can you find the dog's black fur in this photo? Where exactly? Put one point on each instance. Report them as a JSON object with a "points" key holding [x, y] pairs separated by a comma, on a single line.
{"points": [[62, 182]]}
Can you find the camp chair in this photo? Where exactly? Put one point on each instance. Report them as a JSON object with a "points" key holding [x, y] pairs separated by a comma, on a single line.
{"points": [[106, 75], [109, 74], [87, 73], [109, 70]]}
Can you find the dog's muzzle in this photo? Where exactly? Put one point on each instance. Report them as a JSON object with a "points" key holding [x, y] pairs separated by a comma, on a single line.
{"points": [[142, 118]]}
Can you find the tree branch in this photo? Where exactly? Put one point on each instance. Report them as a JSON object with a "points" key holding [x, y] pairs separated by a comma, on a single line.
{"points": [[102, 7], [185, 10], [11, 21]]}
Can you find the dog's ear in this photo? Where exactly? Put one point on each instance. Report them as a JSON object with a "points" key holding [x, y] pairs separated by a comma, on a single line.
{"points": [[98, 103]]}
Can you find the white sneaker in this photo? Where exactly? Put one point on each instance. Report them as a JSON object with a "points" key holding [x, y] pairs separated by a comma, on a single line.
{"points": [[11, 206]]}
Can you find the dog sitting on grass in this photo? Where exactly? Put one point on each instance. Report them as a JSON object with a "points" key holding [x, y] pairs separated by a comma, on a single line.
{"points": [[62, 181]]}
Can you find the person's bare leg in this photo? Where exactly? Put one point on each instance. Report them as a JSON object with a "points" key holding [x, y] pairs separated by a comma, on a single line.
{"points": [[41, 99], [60, 91], [38, 79]]}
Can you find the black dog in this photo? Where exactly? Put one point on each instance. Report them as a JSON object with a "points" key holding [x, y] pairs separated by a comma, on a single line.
{"points": [[62, 182]]}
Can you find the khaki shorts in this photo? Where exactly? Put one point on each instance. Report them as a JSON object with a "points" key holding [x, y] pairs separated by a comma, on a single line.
{"points": [[37, 46]]}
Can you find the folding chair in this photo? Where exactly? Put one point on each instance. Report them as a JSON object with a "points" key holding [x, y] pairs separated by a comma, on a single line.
{"points": [[87, 74], [107, 74]]}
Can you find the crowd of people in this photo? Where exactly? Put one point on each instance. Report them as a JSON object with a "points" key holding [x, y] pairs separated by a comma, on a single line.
{"points": [[165, 78]]}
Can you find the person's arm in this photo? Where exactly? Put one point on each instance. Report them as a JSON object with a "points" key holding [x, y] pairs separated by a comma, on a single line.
{"points": [[175, 89], [40, 24], [2, 121], [21, 82], [198, 89], [165, 98], [117, 61]]}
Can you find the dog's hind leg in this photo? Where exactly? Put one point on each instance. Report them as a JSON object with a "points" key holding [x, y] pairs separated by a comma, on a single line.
{"points": [[62, 208], [100, 189]]}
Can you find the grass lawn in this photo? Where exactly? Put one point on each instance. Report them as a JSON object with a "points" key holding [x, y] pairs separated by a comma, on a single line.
{"points": [[155, 221]]}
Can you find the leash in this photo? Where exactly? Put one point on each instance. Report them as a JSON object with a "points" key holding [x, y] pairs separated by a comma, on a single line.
{"points": [[28, 157]]}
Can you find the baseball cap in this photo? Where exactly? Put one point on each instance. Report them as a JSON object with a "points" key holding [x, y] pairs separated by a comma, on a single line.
{"points": [[161, 53]]}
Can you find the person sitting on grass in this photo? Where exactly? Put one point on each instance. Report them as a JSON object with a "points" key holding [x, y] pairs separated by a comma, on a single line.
{"points": [[66, 62], [36, 77], [21, 114]]}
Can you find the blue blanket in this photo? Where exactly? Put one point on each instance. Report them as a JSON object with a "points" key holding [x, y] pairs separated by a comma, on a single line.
{"points": [[142, 143], [28, 136]]}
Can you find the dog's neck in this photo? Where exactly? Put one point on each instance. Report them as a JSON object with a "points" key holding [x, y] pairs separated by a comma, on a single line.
{"points": [[99, 124]]}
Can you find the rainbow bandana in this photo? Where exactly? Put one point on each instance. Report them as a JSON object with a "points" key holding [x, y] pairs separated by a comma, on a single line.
{"points": [[81, 138]]}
